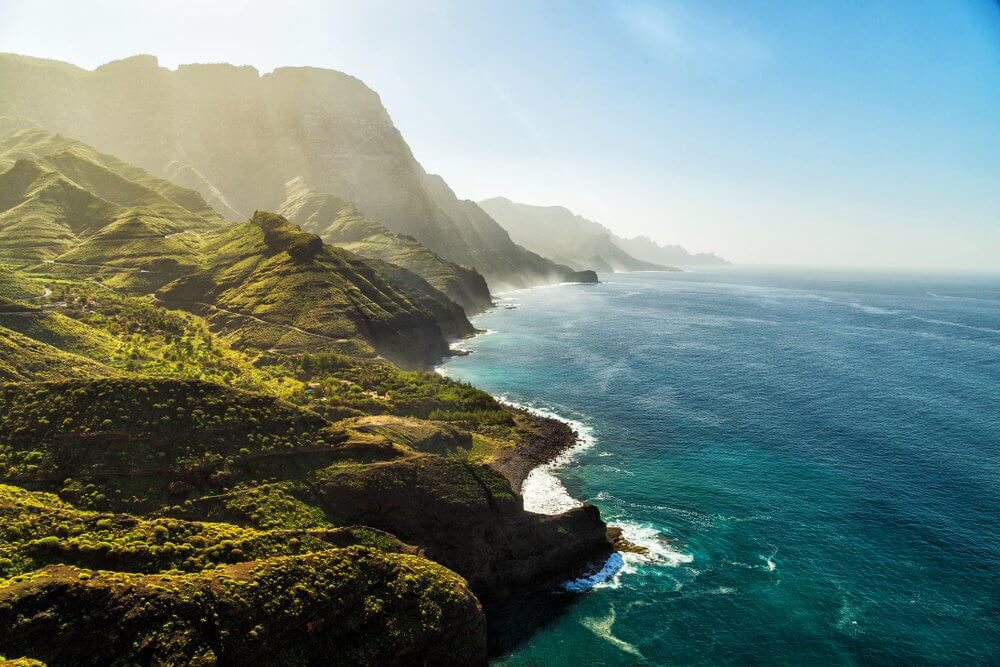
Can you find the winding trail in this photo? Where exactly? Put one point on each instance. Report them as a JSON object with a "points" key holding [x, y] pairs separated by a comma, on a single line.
{"points": [[259, 320], [98, 266]]}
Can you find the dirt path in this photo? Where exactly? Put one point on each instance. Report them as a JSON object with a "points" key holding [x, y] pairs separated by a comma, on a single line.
{"points": [[288, 327], [98, 266]]}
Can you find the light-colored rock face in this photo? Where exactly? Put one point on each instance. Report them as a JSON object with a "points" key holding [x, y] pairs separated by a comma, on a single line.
{"points": [[238, 137]]}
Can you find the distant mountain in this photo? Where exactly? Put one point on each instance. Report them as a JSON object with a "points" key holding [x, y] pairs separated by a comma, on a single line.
{"points": [[646, 249], [340, 223], [238, 137], [563, 236]]}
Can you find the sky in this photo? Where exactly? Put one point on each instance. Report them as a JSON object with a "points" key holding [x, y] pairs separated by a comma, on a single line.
{"points": [[834, 133]]}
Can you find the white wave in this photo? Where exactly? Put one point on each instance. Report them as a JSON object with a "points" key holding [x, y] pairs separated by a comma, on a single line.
{"points": [[660, 549], [614, 564], [602, 628]]}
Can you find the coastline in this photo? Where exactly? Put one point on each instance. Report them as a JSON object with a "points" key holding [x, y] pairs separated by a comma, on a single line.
{"points": [[551, 441], [531, 470]]}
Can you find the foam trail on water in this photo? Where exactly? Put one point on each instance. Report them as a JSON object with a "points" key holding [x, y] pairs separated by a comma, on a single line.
{"points": [[602, 628]]}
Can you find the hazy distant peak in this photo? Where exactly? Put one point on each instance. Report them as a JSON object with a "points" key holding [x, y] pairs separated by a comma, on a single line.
{"points": [[142, 61], [561, 234], [208, 70]]}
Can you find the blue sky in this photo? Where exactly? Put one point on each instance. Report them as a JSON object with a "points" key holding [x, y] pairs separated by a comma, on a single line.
{"points": [[832, 133]]}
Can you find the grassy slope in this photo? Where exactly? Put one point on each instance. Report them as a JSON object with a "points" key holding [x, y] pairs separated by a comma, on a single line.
{"points": [[14, 285], [340, 223], [23, 358], [37, 143], [59, 195], [276, 287]]}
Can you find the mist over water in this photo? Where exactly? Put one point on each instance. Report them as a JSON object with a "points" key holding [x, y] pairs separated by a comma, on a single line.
{"points": [[812, 458]]}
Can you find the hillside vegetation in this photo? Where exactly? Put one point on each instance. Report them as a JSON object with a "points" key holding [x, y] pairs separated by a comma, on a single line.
{"points": [[220, 441], [70, 212]]}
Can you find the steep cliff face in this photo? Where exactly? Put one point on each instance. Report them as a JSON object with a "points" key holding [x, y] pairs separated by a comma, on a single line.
{"points": [[238, 137]]}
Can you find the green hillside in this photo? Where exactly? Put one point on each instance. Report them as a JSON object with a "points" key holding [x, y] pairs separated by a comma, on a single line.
{"points": [[62, 201], [113, 585], [212, 451], [271, 286], [340, 223], [238, 137], [82, 215], [34, 143]]}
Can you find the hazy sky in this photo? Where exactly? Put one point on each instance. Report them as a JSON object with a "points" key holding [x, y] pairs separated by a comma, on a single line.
{"points": [[858, 133]]}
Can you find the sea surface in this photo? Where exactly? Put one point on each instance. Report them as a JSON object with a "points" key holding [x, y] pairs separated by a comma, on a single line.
{"points": [[812, 458]]}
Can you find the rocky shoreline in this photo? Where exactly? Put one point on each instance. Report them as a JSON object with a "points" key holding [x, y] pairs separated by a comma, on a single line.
{"points": [[542, 443], [542, 440]]}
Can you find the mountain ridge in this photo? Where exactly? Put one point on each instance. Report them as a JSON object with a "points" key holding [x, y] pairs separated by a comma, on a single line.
{"points": [[238, 137], [561, 234]]}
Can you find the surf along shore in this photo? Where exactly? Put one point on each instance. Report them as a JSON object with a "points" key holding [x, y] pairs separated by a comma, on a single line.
{"points": [[551, 443]]}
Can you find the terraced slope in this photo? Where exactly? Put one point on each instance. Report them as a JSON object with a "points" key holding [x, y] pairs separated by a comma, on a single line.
{"points": [[269, 285], [340, 223]]}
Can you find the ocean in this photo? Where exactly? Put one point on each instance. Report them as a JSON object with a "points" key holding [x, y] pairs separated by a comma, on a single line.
{"points": [[811, 457]]}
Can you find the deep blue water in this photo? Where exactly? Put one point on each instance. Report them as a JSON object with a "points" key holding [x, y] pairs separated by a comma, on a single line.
{"points": [[814, 458]]}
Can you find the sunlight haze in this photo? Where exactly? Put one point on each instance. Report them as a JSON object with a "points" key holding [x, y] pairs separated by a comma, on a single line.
{"points": [[853, 134]]}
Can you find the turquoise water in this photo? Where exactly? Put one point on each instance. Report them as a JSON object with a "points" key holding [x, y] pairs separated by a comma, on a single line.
{"points": [[814, 459]]}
